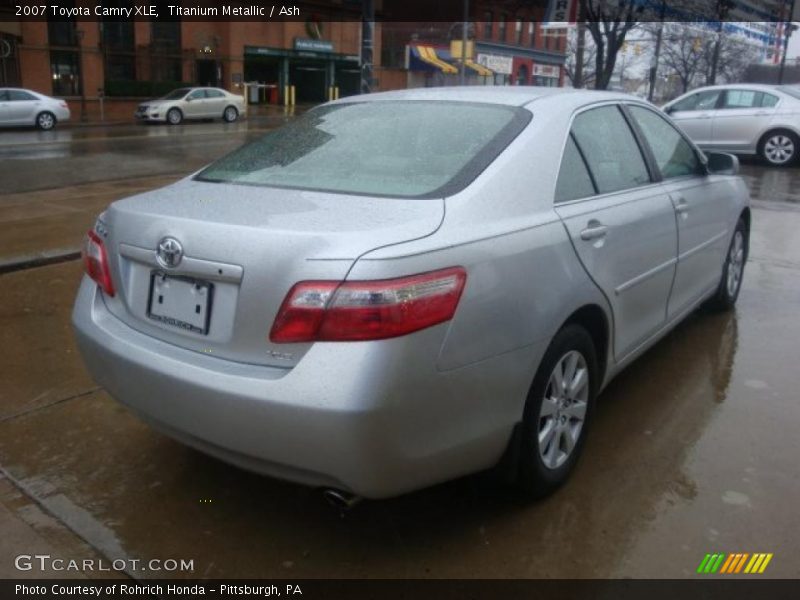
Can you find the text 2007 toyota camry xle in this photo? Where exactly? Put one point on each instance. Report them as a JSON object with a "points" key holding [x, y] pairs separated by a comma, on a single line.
{"points": [[398, 289]]}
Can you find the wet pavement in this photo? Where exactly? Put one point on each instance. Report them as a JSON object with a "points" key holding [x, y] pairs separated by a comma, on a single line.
{"points": [[694, 450]]}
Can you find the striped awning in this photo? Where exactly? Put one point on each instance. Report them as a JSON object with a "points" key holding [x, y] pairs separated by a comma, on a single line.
{"points": [[427, 54], [479, 69]]}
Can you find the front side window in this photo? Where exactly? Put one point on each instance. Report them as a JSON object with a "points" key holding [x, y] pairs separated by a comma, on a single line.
{"points": [[700, 101], [611, 151], [673, 154], [388, 148], [177, 94], [574, 180], [196, 95]]}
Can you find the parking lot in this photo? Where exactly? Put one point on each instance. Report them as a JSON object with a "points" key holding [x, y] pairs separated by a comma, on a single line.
{"points": [[694, 448]]}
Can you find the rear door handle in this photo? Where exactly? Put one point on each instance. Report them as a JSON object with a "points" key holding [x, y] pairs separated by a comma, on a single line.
{"points": [[681, 206], [594, 230]]}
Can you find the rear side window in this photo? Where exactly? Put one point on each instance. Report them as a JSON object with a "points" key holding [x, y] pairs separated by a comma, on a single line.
{"points": [[742, 99], [574, 180], [611, 152], [768, 100], [674, 155], [214, 94], [411, 149], [19, 95]]}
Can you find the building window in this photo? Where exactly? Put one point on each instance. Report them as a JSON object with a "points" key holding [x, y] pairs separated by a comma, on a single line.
{"points": [[62, 32], [532, 34], [119, 51], [487, 25], [518, 32], [166, 63], [65, 72], [501, 28], [9, 64]]}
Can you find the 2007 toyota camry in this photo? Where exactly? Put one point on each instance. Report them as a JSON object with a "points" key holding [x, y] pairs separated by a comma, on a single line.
{"points": [[398, 289]]}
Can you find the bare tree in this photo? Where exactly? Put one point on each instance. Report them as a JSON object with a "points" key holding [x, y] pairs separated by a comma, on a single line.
{"points": [[608, 22], [570, 66], [734, 56], [683, 52]]}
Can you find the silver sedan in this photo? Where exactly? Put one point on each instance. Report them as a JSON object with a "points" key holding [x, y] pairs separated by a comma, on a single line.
{"points": [[747, 119], [398, 289], [19, 108], [192, 103]]}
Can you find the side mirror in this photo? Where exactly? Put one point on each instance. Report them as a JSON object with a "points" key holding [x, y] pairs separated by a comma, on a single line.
{"points": [[188, 98], [722, 163], [669, 109]]}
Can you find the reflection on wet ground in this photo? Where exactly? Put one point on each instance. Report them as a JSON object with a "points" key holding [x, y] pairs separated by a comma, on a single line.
{"points": [[694, 450]]}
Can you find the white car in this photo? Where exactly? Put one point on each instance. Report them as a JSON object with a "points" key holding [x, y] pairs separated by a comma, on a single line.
{"points": [[20, 107], [742, 118], [192, 103]]}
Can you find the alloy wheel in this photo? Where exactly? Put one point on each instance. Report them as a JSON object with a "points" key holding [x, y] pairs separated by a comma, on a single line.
{"points": [[735, 263], [563, 410], [46, 121], [779, 149], [230, 114]]}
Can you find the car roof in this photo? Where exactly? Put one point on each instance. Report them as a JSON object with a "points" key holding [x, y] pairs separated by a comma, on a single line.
{"points": [[765, 87], [518, 95]]}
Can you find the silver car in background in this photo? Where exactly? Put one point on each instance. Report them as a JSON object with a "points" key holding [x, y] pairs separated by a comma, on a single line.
{"points": [[192, 103], [19, 108], [397, 289], [745, 119]]}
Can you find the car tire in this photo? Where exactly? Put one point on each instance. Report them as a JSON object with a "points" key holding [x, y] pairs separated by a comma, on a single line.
{"points": [[230, 114], [174, 116], [45, 120], [547, 459], [732, 271], [779, 148]]}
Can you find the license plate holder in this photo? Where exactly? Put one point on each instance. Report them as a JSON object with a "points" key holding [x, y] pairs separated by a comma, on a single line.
{"points": [[181, 302]]}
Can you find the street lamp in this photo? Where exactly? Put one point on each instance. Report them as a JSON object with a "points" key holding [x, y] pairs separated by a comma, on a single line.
{"points": [[79, 33]]}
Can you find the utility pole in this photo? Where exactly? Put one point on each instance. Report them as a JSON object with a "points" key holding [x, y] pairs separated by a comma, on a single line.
{"points": [[787, 34], [367, 45], [654, 65], [464, 27], [580, 47]]}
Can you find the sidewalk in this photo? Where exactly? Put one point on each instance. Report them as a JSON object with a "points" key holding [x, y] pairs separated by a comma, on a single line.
{"points": [[43, 226], [255, 112], [28, 530]]}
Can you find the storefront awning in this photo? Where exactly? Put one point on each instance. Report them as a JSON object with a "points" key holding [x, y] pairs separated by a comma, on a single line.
{"points": [[427, 54], [455, 61]]}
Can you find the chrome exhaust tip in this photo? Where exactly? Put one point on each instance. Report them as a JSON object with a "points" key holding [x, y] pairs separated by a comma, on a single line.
{"points": [[341, 500]]}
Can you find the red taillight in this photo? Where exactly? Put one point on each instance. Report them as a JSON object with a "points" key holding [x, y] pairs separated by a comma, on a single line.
{"points": [[95, 262], [367, 310]]}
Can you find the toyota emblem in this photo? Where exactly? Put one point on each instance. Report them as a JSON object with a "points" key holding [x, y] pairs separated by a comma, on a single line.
{"points": [[169, 252]]}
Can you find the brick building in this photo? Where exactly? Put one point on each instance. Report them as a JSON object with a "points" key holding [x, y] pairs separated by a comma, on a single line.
{"points": [[125, 61], [508, 38]]}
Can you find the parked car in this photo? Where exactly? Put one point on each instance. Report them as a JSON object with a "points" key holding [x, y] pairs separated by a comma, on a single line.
{"points": [[398, 289], [20, 107], [192, 103], [743, 119]]}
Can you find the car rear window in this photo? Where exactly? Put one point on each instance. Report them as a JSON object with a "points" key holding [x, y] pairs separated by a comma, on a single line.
{"points": [[411, 149]]}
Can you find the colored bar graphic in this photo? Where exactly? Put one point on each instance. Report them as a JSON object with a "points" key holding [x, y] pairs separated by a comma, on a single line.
{"points": [[765, 563], [733, 563], [728, 563], [717, 563], [702, 567], [741, 562]]}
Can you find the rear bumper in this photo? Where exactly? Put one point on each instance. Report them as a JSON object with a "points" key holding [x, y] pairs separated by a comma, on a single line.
{"points": [[372, 418]]}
